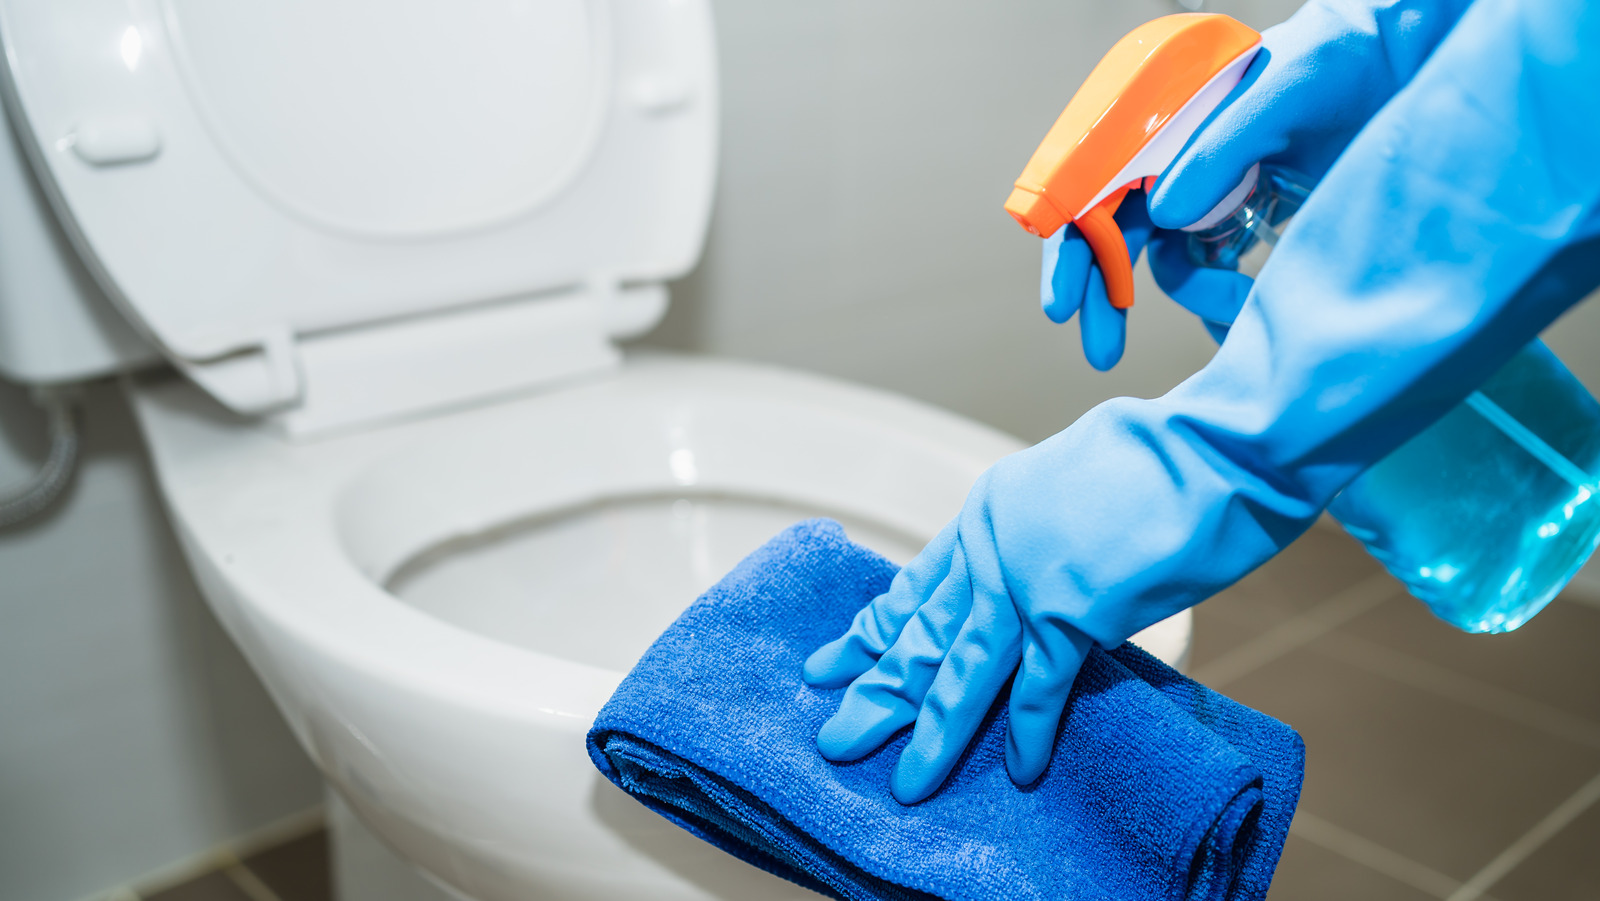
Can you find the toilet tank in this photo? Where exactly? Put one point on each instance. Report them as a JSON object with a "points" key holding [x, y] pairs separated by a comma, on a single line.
{"points": [[56, 325]]}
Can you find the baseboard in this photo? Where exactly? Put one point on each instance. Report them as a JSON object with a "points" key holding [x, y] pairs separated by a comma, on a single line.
{"points": [[217, 856]]}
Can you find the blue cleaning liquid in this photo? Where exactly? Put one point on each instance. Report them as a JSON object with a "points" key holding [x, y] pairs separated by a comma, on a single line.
{"points": [[1489, 512]]}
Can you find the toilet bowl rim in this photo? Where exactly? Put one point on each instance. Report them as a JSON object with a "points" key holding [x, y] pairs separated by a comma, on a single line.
{"points": [[424, 654]]}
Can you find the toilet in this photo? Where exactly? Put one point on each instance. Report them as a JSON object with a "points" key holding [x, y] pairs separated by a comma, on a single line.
{"points": [[389, 250]]}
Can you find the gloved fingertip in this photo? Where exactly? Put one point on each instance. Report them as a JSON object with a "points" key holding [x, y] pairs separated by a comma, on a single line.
{"points": [[1191, 188], [819, 670], [840, 741], [1066, 264], [926, 762], [869, 714], [1024, 770], [908, 796], [1027, 755], [1104, 327], [1103, 355], [838, 663], [1170, 209], [1055, 309], [911, 782], [822, 663]]}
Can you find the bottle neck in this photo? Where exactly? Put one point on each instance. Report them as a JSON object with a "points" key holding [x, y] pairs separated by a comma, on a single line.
{"points": [[1242, 238], [1250, 218], [1229, 206]]}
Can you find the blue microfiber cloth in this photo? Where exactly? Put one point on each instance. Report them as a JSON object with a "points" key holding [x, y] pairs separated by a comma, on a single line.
{"points": [[1159, 787]]}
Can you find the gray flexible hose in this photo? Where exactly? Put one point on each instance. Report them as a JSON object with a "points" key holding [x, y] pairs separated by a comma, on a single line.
{"points": [[27, 500]]}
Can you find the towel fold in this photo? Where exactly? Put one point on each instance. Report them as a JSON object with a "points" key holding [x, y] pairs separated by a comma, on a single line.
{"points": [[1159, 787]]}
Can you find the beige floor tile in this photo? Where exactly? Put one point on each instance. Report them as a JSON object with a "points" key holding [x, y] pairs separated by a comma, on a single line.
{"points": [[1310, 873], [296, 870], [1217, 633], [1553, 659], [1320, 564], [1441, 783], [212, 886], [1567, 868]]}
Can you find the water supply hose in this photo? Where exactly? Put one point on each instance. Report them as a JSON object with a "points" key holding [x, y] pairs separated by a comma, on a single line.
{"points": [[24, 501]]}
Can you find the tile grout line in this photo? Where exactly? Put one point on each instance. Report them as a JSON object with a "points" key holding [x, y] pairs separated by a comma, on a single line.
{"points": [[1581, 597], [1326, 617], [1420, 674], [248, 882], [1298, 631], [288, 828], [1372, 855], [1525, 846]]}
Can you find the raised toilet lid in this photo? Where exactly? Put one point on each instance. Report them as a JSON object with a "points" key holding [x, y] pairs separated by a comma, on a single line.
{"points": [[255, 182]]}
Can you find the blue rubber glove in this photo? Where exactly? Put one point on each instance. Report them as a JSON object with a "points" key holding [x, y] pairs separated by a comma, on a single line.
{"points": [[1071, 282], [1459, 223], [1319, 78]]}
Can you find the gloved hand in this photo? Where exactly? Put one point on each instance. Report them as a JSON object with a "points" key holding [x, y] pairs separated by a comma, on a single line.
{"points": [[1071, 282], [955, 624], [1351, 342], [1319, 78]]}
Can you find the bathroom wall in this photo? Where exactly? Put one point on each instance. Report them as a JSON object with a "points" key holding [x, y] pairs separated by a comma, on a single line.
{"points": [[132, 734], [866, 149]]}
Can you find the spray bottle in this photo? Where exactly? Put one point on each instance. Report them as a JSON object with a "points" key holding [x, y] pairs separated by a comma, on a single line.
{"points": [[1486, 514]]}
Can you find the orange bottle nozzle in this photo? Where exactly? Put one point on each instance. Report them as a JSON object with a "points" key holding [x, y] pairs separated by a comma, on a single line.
{"points": [[1128, 121]]}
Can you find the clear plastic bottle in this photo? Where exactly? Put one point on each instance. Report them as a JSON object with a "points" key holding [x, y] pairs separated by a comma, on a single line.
{"points": [[1243, 240], [1486, 514]]}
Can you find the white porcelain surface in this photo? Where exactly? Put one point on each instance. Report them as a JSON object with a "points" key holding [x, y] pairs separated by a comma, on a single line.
{"points": [[55, 323], [242, 175], [450, 712], [362, 868], [551, 585]]}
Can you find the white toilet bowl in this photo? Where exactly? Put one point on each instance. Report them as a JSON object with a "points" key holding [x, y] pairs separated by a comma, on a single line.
{"points": [[441, 606], [389, 249], [534, 548]]}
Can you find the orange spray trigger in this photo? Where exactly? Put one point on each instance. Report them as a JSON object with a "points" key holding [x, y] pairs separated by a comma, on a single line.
{"points": [[1127, 122], [1110, 248]]}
